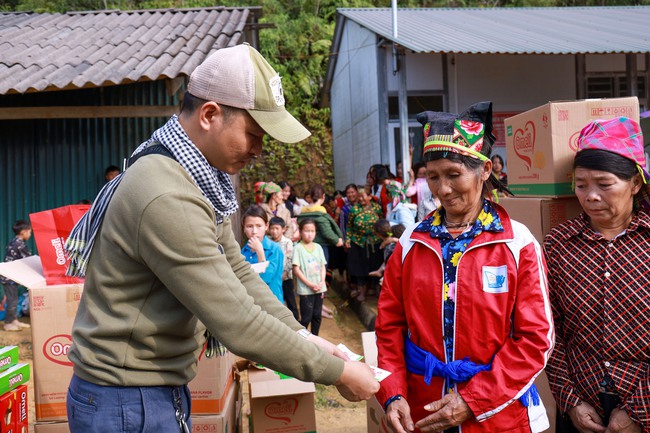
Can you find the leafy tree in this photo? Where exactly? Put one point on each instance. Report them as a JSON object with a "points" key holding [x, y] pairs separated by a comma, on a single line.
{"points": [[298, 47]]}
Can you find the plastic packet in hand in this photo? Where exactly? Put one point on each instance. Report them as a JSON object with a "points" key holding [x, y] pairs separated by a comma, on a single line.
{"points": [[350, 354], [380, 374]]}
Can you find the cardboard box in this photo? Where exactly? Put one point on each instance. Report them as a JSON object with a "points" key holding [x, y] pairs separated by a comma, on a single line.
{"points": [[280, 405], [227, 420], [14, 411], [8, 412], [541, 143], [540, 215], [547, 398], [52, 313], [209, 389], [13, 377], [52, 427], [376, 420], [8, 357], [22, 409], [369, 343], [52, 309]]}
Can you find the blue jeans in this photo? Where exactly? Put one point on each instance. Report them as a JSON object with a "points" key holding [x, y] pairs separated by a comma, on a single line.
{"points": [[124, 409]]}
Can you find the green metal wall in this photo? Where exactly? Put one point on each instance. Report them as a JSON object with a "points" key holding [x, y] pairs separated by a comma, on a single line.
{"points": [[51, 163]]}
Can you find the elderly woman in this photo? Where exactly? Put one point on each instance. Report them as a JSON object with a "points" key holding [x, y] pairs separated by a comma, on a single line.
{"points": [[599, 280], [464, 322], [274, 205]]}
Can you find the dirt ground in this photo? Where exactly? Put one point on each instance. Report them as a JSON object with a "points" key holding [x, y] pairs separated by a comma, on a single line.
{"points": [[334, 414]]}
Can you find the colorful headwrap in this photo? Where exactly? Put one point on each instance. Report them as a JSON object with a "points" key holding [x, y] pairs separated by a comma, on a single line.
{"points": [[396, 192], [269, 188], [468, 133], [623, 137], [258, 190], [258, 186]]}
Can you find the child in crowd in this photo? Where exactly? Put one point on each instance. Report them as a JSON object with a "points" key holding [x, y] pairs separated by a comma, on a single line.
{"points": [[259, 248], [309, 272], [16, 249], [389, 237], [328, 234], [277, 230]]}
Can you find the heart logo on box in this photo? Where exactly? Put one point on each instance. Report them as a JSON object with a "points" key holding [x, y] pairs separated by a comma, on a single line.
{"points": [[56, 349], [573, 141], [282, 411], [524, 143]]}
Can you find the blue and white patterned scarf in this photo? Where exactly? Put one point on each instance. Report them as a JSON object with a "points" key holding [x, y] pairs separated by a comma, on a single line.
{"points": [[215, 185]]}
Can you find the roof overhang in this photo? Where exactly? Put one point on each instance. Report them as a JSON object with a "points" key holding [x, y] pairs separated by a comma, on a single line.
{"points": [[544, 31]]}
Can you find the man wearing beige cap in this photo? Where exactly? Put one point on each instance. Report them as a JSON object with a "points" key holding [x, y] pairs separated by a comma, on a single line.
{"points": [[166, 270]]}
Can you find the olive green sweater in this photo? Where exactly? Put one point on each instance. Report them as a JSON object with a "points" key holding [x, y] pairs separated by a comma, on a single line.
{"points": [[161, 271]]}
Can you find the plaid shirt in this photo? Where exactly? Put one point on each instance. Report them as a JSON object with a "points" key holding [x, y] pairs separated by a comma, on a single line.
{"points": [[600, 294]]}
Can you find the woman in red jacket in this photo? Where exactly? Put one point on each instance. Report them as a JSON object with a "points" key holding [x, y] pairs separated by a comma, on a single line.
{"points": [[464, 322]]}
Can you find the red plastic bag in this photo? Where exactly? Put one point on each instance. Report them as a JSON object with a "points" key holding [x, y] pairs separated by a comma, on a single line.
{"points": [[51, 229]]}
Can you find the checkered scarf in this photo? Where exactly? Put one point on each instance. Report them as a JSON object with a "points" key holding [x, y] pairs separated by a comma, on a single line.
{"points": [[215, 185]]}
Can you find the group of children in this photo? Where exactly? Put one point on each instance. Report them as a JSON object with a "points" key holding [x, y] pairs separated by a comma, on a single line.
{"points": [[302, 263]]}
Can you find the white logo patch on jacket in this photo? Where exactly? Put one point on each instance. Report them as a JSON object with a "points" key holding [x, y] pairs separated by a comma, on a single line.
{"points": [[495, 279]]}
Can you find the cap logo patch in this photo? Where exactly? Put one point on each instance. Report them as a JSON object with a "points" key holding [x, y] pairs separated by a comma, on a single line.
{"points": [[276, 89]]}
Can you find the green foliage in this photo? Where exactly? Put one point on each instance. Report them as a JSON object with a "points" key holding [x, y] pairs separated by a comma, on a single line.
{"points": [[298, 47]]}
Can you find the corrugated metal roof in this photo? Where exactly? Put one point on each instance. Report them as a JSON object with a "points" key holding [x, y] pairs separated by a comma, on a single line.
{"points": [[90, 49], [567, 30]]}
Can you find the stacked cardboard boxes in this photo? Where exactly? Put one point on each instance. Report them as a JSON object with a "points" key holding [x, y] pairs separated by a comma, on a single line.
{"points": [[52, 312], [216, 395], [14, 407], [54, 299], [541, 143], [540, 146]]}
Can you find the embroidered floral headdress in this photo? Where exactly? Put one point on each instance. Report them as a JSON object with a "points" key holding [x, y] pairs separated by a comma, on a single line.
{"points": [[468, 133]]}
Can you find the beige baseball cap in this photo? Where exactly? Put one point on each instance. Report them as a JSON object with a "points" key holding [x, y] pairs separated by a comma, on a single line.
{"points": [[240, 77]]}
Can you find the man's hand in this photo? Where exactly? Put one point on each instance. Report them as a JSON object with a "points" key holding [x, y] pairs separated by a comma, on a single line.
{"points": [[357, 382], [449, 411], [339, 243], [585, 418], [399, 416], [620, 422], [327, 346]]}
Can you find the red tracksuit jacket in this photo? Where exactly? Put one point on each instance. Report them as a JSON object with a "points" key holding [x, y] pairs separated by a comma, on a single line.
{"points": [[511, 326]]}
